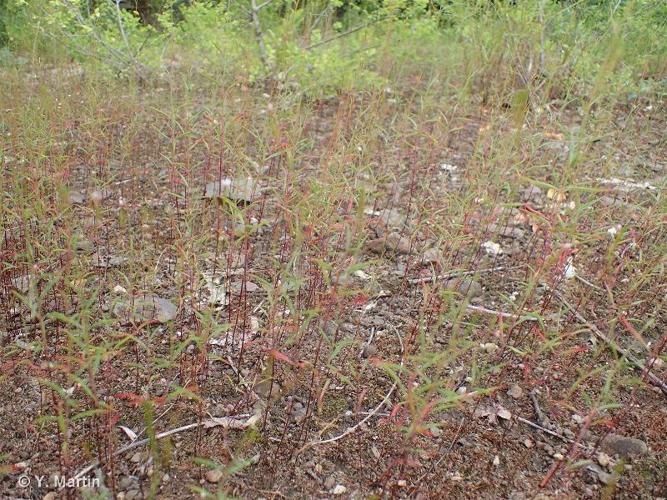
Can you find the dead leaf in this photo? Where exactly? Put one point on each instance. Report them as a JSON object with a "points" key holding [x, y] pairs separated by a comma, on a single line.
{"points": [[129, 432], [240, 189], [556, 195]]}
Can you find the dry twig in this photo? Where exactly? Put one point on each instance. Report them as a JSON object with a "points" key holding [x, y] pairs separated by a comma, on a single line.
{"points": [[236, 422], [370, 414]]}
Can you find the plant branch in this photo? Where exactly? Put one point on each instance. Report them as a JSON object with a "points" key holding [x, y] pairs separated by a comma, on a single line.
{"points": [[345, 33], [259, 34]]}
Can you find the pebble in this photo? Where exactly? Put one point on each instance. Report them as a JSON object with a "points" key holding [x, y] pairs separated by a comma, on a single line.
{"points": [[531, 193], [393, 242], [84, 246], [506, 231], [489, 347], [51, 495], [467, 287], [369, 351], [391, 217], [339, 490], [602, 476], [97, 197], [432, 256], [603, 459], [214, 476], [528, 443], [626, 447], [77, 198], [125, 483], [515, 391], [329, 482]]}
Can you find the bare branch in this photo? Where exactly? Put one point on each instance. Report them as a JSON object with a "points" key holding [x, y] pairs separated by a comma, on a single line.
{"points": [[345, 33], [259, 34]]}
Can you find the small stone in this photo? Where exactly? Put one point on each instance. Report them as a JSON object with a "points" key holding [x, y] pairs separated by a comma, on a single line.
{"points": [[391, 217], [402, 483], [361, 275], [77, 198], [96, 197], [329, 482], [531, 193], [515, 391], [125, 483], [466, 287], [601, 475], [84, 246], [106, 261], [625, 447], [558, 456], [51, 495], [369, 351], [432, 256], [506, 231], [496, 460], [504, 414], [214, 475], [656, 363], [136, 458], [393, 242], [339, 490], [527, 443], [603, 459], [492, 248], [489, 347]]}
